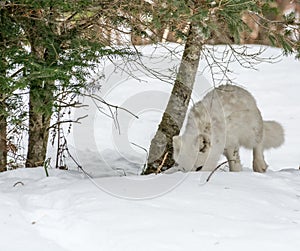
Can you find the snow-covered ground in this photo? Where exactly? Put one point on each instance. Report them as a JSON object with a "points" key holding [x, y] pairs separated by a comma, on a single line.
{"points": [[234, 211], [69, 211]]}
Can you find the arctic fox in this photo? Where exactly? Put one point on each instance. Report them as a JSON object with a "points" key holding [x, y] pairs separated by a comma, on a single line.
{"points": [[224, 120]]}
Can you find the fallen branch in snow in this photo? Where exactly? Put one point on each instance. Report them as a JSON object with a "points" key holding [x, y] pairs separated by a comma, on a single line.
{"points": [[18, 183], [216, 168], [162, 163]]}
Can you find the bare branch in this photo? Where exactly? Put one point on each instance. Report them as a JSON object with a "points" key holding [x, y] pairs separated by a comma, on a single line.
{"points": [[67, 121], [95, 97], [147, 154], [216, 168], [162, 163]]}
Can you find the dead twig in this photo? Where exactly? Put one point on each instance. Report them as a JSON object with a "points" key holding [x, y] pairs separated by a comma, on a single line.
{"points": [[76, 162], [95, 97], [147, 155], [58, 123], [162, 163], [216, 168], [18, 183]]}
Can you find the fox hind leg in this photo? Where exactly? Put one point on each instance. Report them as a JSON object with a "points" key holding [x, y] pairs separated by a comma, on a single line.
{"points": [[233, 157], [259, 164]]}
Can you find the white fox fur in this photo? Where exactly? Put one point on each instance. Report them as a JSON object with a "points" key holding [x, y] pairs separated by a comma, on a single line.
{"points": [[224, 120]]}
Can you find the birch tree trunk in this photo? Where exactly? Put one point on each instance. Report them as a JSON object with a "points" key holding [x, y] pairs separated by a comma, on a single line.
{"points": [[161, 148]]}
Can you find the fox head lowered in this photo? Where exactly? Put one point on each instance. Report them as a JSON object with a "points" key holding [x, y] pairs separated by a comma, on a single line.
{"points": [[189, 152]]}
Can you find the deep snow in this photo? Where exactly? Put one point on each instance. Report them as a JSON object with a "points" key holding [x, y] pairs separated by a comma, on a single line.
{"points": [[233, 211]]}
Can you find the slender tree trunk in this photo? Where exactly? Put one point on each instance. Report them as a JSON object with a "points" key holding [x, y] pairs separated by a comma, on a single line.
{"points": [[3, 148], [3, 120], [3, 135], [40, 111], [161, 148]]}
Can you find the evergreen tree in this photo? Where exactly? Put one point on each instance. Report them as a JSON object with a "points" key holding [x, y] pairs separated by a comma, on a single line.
{"points": [[61, 50], [12, 53]]}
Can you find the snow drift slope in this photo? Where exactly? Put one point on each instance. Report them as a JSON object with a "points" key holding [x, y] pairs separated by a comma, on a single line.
{"points": [[234, 211]]}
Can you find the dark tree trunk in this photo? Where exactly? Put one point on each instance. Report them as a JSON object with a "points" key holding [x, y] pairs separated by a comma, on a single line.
{"points": [[161, 148], [40, 102], [3, 119], [3, 135], [40, 111]]}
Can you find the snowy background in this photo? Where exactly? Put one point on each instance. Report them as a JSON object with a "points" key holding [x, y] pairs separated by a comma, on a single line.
{"points": [[69, 211]]}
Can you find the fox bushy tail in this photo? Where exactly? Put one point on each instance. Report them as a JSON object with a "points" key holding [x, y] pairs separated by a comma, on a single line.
{"points": [[273, 134]]}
